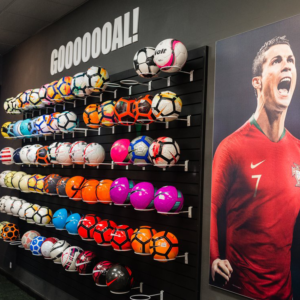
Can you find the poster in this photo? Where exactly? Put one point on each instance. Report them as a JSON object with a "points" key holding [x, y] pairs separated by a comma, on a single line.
{"points": [[255, 204]]}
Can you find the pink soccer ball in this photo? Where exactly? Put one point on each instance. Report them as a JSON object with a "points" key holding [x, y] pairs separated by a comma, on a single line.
{"points": [[142, 196], [120, 191], [168, 200], [119, 152]]}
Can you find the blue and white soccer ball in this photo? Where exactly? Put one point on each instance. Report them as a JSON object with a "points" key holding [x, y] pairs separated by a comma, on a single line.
{"points": [[41, 125], [36, 244], [32, 127], [16, 129], [139, 150], [67, 121]]}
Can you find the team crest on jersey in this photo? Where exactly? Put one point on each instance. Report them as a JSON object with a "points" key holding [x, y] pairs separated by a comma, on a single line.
{"points": [[296, 173]]}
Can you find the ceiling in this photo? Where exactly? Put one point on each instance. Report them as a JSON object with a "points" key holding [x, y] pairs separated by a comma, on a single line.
{"points": [[21, 19]]}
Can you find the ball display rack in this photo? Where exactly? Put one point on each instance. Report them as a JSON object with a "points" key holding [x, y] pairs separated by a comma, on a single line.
{"points": [[173, 280]]}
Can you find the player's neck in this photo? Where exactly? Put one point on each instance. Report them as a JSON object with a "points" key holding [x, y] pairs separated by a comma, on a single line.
{"points": [[271, 123]]}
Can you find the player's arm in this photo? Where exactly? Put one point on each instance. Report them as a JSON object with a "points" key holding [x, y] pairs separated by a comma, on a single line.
{"points": [[222, 172]]}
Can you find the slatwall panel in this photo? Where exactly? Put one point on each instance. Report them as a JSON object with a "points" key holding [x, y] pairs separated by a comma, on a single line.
{"points": [[177, 279]]}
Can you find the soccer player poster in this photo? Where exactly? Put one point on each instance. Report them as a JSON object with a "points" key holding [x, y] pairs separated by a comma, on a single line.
{"points": [[255, 231]]}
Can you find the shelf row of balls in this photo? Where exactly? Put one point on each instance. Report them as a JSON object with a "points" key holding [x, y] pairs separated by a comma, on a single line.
{"points": [[122, 191], [117, 277]]}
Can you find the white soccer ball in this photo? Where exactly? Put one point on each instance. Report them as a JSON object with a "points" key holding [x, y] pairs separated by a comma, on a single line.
{"points": [[29, 212], [57, 251], [16, 179], [8, 107], [67, 121], [21, 212], [78, 85], [8, 205], [170, 55], [31, 154], [6, 156], [51, 152], [2, 203], [41, 125], [95, 79], [34, 99], [94, 154], [47, 246], [43, 216], [69, 257], [23, 154], [143, 63], [2, 176], [77, 152], [62, 154], [16, 206], [28, 237], [23, 184]]}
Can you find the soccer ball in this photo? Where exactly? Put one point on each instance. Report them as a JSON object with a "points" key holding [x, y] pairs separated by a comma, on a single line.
{"points": [[21, 212], [57, 251], [51, 152], [16, 179], [72, 223], [15, 107], [10, 129], [2, 224], [28, 237], [106, 114], [166, 106], [41, 125], [94, 154], [64, 88], [140, 240], [143, 111], [61, 186], [52, 122], [4, 131], [2, 176], [29, 212], [119, 152], [42, 156], [24, 98], [78, 85], [86, 226], [120, 191], [36, 244], [86, 262], [33, 128], [43, 216], [99, 272], [103, 191], [95, 79], [43, 95], [168, 199], [53, 94], [69, 258], [62, 154], [18, 101], [67, 121], [40, 181], [102, 232], [24, 127], [142, 196], [164, 246], [91, 115], [31, 154], [10, 232], [88, 191], [32, 182], [47, 246], [60, 218], [73, 187], [7, 205], [16, 129], [7, 105], [77, 152], [124, 111], [34, 99], [139, 150], [23, 184], [50, 184], [23, 154], [121, 236], [8, 178], [2, 204], [16, 156], [164, 152], [6, 156], [170, 55], [143, 63]]}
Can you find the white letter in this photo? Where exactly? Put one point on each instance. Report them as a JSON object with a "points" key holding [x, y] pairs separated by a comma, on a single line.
{"points": [[61, 58], [86, 47], [117, 39], [77, 51], [69, 55], [127, 38], [53, 62], [96, 42], [106, 37]]}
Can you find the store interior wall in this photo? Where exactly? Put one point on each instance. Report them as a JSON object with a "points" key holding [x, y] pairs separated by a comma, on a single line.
{"points": [[196, 23]]}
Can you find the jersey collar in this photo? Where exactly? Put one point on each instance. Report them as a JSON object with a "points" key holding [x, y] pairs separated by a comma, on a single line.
{"points": [[253, 122]]}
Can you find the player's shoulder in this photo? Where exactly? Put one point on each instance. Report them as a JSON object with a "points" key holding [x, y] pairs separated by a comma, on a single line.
{"points": [[292, 138]]}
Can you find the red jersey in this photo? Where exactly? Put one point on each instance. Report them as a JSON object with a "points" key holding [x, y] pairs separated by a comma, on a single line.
{"points": [[259, 181]]}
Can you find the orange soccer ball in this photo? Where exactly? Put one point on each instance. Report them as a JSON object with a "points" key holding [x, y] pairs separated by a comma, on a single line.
{"points": [[140, 240], [73, 187], [53, 94], [103, 191], [91, 116], [88, 191], [142, 109], [124, 111], [164, 246]]}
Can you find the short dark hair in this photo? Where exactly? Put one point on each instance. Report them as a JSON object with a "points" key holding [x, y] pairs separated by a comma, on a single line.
{"points": [[259, 59]]}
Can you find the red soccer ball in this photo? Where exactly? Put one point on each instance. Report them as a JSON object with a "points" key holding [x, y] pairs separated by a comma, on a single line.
{"points": [[86, 226], [102, 232], [121, 237]]}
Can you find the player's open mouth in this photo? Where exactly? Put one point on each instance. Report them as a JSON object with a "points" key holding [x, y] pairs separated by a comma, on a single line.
{"points": [[284, 86]]}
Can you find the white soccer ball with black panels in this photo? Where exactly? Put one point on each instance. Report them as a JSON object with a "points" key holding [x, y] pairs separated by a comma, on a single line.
{"points": [[57, 251], [15, 107], [23, 154], [43, 216], [2, 203], [8, 105], [78, 85], [77, 152], [69, 257], [29, 212], [36, 244], [41, 125], [170, 55], [144, 64], [6, 156], [164, 152], [52, 152], [28, 237], [67, 121], [21, 212], [34, 99], [62, 154], [16, 206], [94, 154], [7, 205], [95, 79], [2, 176], [31, 154]]}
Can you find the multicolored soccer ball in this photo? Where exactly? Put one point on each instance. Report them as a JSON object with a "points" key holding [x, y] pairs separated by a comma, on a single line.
{"points": [[34, 99], [5, 132], [43, 216], [69, 258], [91, 116], [53, 94], [139, 150], [42, 156], [63, 87], [41, 125], [85, 263], [100, 271], [78, 85], [95, 79], [43, 95], [6, 156], [106, 114], [52, 122], [28, 237]]}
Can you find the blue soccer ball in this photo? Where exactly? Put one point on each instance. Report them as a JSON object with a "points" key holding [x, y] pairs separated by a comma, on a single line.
{"points": [[10, 129], [16, 128], [16, 156], [139, 150], [32, 127], [36, 244], [24, 127], [60, 218], [72, 222]]}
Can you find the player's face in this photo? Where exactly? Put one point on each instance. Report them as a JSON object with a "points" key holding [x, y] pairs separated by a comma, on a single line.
{"points": [[278, 80]]}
